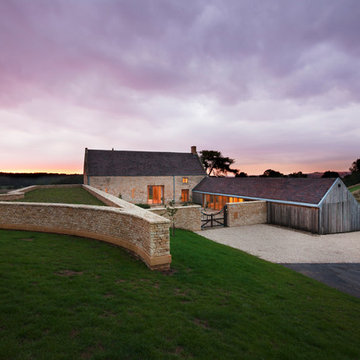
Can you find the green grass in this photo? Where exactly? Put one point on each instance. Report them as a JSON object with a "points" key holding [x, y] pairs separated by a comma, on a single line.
{"points": [[354, 188], [64, 297], [64, 195]]}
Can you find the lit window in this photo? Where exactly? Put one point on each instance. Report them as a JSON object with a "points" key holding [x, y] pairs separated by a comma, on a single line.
{"points": [[155, 194], [185, 180]]}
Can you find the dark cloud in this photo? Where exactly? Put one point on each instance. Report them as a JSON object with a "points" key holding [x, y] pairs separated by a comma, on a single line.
{"points": [[252, 77]]}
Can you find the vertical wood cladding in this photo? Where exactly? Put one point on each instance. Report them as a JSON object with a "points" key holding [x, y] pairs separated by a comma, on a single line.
{"points": [[294, 216], [340, 212]]}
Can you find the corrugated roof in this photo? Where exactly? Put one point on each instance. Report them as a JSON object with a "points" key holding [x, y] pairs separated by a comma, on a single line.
{"points": [[141, 163], [298, 190]]}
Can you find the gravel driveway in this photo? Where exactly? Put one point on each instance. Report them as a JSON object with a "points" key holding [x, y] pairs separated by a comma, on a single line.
{"points": [[333, 259]]}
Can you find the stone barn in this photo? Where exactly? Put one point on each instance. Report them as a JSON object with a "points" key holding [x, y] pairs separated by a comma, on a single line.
{"points": [[144, 177]]}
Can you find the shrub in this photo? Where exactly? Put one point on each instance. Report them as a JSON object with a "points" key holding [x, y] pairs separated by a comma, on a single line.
{"points": [[188, 203], [144, 206]]}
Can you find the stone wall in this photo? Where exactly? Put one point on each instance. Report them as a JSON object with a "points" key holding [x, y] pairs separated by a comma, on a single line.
{"points": [[134, 189], [187, 217], [20, 193], [140, 231], [246, 213], [16, 194]]}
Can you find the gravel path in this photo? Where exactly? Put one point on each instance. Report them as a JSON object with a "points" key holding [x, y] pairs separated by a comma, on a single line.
{"points": [[281, 245], [332, 259]]}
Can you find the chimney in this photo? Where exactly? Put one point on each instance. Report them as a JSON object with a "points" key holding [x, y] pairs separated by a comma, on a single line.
{"points": [[193, 150]]}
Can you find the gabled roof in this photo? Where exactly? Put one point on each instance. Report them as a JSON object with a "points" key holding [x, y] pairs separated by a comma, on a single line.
{"points": [[141, 163], [295, 190]]}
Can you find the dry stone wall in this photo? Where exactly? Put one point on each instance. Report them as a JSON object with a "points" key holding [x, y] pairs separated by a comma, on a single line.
{"points": [[246, 213], [20, 193], [186, 217], [140, 231]]}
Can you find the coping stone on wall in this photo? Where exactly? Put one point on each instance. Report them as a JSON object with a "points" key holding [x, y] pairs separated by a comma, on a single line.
{"points": [[119, 206], [120, 203]]}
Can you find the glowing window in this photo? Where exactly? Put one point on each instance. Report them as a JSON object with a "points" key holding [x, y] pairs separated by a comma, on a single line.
{"points": [[185, 180], [155, 194]]}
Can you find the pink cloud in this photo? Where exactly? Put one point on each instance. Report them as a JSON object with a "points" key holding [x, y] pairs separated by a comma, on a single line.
{"points": [[269, 83]]}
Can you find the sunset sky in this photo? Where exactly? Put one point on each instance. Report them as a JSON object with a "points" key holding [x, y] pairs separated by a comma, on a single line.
{"points": [[272, 84]]}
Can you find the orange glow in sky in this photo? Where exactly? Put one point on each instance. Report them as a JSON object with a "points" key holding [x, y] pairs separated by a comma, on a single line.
{"points": [[250, 169], [38, 168], [289, 105]]}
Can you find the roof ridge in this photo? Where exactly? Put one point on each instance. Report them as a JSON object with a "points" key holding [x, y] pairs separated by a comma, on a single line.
{"points": [[142, 151]]}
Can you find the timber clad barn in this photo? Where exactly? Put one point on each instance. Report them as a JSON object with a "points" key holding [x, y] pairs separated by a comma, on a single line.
{"points": [[322, 206]]}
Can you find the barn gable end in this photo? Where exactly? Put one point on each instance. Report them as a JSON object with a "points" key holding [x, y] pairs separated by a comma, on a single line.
{"points": [[339, 210]]}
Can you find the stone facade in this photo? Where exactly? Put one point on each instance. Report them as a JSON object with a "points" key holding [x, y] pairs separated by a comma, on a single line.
{"points": [[134, 189], [246, 213], [186, 217], [140, 231]]}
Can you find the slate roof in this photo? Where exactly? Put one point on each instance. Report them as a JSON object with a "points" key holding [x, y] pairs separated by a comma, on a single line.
{"points": [[141, 163], [298, 190]]}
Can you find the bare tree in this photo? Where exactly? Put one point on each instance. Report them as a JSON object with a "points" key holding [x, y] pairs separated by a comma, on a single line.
{"points": [[171, 212]]}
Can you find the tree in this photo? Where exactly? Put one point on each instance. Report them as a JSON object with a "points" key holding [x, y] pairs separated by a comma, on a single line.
{"points": [[330, 174], [214, 162], [271, 173], [241, 174], [171, 211], [355, 167], [354, 177], [298, 174]]}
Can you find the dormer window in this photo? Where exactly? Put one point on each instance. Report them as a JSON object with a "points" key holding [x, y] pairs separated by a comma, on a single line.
{"points": [[185, 180]]}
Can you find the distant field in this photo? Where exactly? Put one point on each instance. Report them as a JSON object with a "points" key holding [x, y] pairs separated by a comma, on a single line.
{"points": [[62, 195], [65, 297], [354, 188]]}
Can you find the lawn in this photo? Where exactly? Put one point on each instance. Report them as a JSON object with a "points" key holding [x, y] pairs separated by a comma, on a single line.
{"points": [[63, 297], [355, 191], [63, 195], [354, 188]]}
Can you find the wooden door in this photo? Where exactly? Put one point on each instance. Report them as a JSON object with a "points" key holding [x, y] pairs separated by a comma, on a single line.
{"points": [[185, 195]]}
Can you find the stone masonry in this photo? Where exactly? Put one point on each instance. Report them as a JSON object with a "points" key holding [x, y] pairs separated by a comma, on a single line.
{"points": [[134, 189], [186, 217], [138, 230], [246, 213]]}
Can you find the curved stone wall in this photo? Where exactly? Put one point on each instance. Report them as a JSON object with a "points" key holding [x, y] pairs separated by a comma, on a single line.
{"points": [[143, 233]]}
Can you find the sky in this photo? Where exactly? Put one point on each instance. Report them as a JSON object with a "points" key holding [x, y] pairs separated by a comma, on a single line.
{"points": [[271, 84]]}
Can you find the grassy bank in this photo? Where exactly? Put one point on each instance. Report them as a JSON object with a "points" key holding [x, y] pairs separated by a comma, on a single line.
{"points": [[62, 195], [64, 297], [355, 191], [354, 188]]}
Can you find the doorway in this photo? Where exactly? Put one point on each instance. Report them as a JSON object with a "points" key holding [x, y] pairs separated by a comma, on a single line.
{"points": [[155, 194]]}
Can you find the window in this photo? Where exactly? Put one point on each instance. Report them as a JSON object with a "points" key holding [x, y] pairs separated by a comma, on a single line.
{"points": [[133, 192], [185, 180], [217, 202], [185, 195], [155, 194]]}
